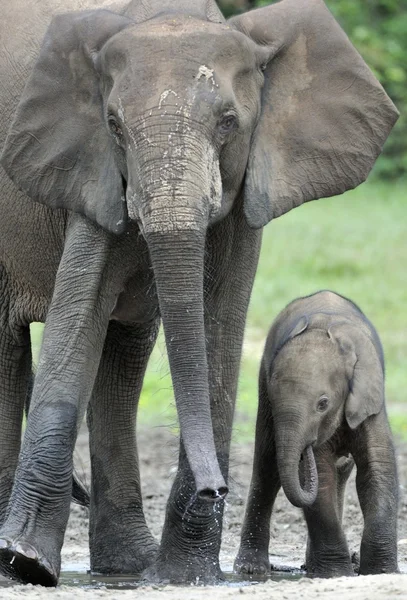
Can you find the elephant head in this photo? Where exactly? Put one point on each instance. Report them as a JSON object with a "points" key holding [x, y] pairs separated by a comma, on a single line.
{"points": [[323, 373], [166, 115]]}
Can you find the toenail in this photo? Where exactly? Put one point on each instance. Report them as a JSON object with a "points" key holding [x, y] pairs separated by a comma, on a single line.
{"points": [[26, 550]]}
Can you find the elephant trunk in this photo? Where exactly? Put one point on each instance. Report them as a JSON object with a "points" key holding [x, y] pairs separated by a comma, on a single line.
{"points": [[301, 492], [178, 263]]}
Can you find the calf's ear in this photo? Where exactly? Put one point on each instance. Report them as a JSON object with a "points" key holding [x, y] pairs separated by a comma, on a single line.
{"points": [[365, 372]]}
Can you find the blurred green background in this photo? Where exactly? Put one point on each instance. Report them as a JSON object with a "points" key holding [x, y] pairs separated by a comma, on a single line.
{"points": [[355, 244]]}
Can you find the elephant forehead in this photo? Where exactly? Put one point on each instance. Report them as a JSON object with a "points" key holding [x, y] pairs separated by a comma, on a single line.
{"points": [[310, 354], [302, 384], [160, 46], [138, 98]]}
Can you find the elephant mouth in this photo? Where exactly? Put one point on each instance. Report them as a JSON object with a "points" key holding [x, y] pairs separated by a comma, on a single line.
{"points": [[308, 472]]}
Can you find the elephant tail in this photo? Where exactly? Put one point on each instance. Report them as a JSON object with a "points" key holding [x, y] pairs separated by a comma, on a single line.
{"points": [[80, 493]]}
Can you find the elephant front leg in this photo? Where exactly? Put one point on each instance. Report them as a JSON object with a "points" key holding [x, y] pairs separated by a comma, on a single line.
{"points": [[32, 534], [253, 555], [119, 539], [190, 545], [327, 549], [377, 486]]}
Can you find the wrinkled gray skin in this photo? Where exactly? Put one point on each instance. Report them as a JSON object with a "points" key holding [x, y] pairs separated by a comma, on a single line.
{"points": [[321, 393], [156, 141]]}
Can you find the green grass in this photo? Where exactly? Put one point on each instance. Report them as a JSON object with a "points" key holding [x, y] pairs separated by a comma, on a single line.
{"points": [[356, 245]]}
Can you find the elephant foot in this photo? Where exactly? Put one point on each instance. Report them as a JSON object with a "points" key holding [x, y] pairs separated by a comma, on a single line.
{"points": [[21, 561], [378, 550], [379, 568], [107, 559], [190, 543], [186, 569], [252, 562], [329, 562], [331, 570]]}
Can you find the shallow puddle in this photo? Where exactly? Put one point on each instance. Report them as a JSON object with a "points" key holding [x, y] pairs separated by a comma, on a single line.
{"points": [[88, 581], [77, 576]]}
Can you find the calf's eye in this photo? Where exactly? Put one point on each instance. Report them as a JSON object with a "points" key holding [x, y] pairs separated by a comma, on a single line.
{"points": [[322, 404]]}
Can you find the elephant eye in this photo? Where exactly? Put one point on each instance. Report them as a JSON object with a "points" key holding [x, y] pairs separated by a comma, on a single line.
{"points": [[227, 124], [114, 127], [322, 404]]}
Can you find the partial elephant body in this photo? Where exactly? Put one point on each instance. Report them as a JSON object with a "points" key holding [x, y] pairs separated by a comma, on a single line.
{"points": [[30, 229], [144, 132], [321, 391]]}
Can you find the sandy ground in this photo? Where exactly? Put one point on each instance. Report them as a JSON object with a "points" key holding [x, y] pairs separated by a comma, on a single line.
{"points": [[158, 455]]}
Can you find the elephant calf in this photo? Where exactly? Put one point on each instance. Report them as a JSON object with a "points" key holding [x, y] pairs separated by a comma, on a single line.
{"points": [[321, 397]]}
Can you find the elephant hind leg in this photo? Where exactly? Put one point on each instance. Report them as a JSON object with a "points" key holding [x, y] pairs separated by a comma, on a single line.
{"points": [[120, 541], [15, 377], [327, 549], [377, 487]]}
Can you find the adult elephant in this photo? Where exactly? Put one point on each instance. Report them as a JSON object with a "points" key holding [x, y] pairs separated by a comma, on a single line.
{"points": [[157, 140]]}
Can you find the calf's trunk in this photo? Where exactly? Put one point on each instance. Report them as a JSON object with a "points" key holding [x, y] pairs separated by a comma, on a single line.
{"points": [[290, 451]]}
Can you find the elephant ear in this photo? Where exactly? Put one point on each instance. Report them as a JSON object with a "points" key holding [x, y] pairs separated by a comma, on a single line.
{"points": [[300, 326], [281, 332], [324, 116], [365, 372], [58, 149]]}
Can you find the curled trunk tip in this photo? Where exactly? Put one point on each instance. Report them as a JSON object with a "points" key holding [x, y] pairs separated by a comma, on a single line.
{"points": [[310, 475], [300, 495]]}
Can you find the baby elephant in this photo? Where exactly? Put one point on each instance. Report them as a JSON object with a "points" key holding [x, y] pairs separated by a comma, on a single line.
{"points": [[321, 398]]}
